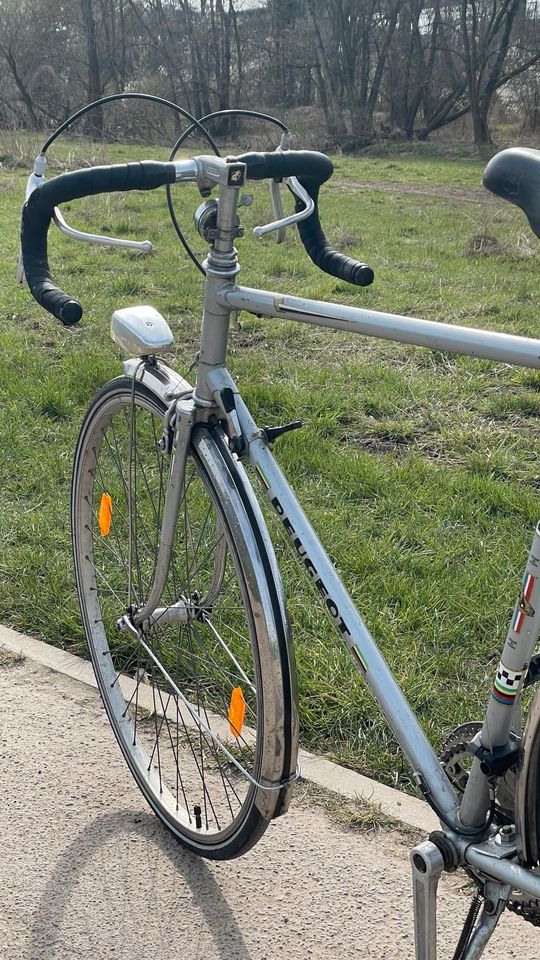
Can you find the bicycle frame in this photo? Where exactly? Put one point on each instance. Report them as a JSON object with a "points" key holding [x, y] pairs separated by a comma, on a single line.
{"points": [[340, 607], [216, 397], [348, 622]]}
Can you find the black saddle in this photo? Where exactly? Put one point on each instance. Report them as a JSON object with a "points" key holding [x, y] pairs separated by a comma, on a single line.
{"points": [[514, 175]]}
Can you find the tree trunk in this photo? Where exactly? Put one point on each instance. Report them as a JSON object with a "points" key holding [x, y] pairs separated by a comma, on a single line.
{"points": [[330, 99], [486, 42], [481, 132], [21, 86], [94, 122]]}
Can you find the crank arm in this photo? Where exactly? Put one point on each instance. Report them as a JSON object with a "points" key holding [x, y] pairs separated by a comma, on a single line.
{"points": [[427, 866]]}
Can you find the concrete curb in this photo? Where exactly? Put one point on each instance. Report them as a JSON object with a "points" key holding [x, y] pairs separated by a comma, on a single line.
{"points": [[408, 810]]}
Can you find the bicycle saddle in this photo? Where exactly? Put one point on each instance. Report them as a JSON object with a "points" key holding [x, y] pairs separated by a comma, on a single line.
{"points": [[514, 175]]}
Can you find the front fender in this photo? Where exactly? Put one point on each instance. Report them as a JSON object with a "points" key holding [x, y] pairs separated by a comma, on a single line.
{"points": [[159, 377]]}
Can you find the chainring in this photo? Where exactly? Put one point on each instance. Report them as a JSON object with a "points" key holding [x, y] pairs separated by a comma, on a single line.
{"points": [[456, 759]]}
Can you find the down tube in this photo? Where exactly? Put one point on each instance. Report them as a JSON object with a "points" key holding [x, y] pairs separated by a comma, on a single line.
{"points": [[347, 620]]}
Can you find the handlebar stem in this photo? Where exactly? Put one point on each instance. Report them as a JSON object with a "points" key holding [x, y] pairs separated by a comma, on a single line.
{"points": [[221, 269]]}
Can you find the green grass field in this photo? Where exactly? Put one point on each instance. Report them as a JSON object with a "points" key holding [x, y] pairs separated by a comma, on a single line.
{"points": [[418, 469]]}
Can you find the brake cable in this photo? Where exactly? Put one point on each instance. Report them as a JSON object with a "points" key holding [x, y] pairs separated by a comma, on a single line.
{"points": [[194, 125], [131, 96], [178, 144]]}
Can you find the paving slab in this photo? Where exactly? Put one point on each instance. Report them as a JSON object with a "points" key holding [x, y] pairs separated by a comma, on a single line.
{"points": [[87, 871], [331, 776]]}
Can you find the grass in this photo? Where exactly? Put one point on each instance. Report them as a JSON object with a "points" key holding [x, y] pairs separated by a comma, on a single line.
{"points": [[421, 169], [419, 470], [354, 815], [9, 659]]}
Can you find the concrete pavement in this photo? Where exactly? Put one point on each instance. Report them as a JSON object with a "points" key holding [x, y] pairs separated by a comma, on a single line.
{"points": [[86, 870]]}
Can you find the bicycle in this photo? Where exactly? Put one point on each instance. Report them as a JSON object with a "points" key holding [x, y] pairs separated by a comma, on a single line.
{"points": [[179, 587]]}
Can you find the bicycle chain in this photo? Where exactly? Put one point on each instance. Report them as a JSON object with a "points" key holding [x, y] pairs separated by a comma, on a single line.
{"points": [[528, 910], [453, 752]]}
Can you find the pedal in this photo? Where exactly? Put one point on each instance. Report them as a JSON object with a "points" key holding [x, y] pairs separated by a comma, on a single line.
{"points": [[272, 433]]}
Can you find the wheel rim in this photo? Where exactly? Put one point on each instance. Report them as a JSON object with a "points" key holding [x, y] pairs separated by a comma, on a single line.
{"points": [[185, 776]]}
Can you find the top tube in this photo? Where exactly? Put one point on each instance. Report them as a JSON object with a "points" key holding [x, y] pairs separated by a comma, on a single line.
{"points": [[483, 344]]}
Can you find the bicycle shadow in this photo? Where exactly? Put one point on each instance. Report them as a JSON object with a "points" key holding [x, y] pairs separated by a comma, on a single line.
{"points": [[62, 887]]}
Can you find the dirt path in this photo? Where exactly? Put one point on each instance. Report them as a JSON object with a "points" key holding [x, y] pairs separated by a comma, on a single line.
{"points": [[459, 194], [87, 872]]}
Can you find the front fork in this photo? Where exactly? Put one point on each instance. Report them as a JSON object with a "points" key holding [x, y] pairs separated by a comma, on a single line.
{"points": [[185, 417], [187, 412]]}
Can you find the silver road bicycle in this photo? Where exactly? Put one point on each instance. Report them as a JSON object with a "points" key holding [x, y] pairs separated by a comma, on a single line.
{"points": [[179, 588]]}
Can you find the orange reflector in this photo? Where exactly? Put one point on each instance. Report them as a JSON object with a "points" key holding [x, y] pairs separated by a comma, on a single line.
{"points": [[105, 514], [237, 712]]}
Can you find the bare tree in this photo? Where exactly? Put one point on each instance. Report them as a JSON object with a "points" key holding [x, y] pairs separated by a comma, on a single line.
{"points": [[352, 40], [364, 68], [486, 32], [27, 33], [411, 64]]}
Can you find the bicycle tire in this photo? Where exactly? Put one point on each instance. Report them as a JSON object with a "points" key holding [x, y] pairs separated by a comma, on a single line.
{"points": [[224, 573], [528, 788]]}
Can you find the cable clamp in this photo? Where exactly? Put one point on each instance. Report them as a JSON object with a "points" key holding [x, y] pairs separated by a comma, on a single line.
{"points": [[496, 762]]}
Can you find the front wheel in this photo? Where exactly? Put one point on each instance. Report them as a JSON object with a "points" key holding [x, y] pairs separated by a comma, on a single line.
{"points": [[202, 698]]}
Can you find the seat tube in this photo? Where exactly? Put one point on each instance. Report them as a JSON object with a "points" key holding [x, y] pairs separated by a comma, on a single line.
{"points": [[221, 268], [500, 717]]}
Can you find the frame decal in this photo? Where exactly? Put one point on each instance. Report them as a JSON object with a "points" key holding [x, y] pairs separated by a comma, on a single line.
{"points": [[301, 550], [524, 608], [261, 477], [507, 684], [358, 659]]}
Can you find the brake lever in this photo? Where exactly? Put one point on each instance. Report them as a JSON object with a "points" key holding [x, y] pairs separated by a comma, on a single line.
{"points": [[277, 206], [144, 246], [299, 191], [275, 192]]}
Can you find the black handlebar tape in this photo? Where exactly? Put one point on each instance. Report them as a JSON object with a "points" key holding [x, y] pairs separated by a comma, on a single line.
{"points": [[323, 256], [312, 169], [38, 211], [304, 164]]}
